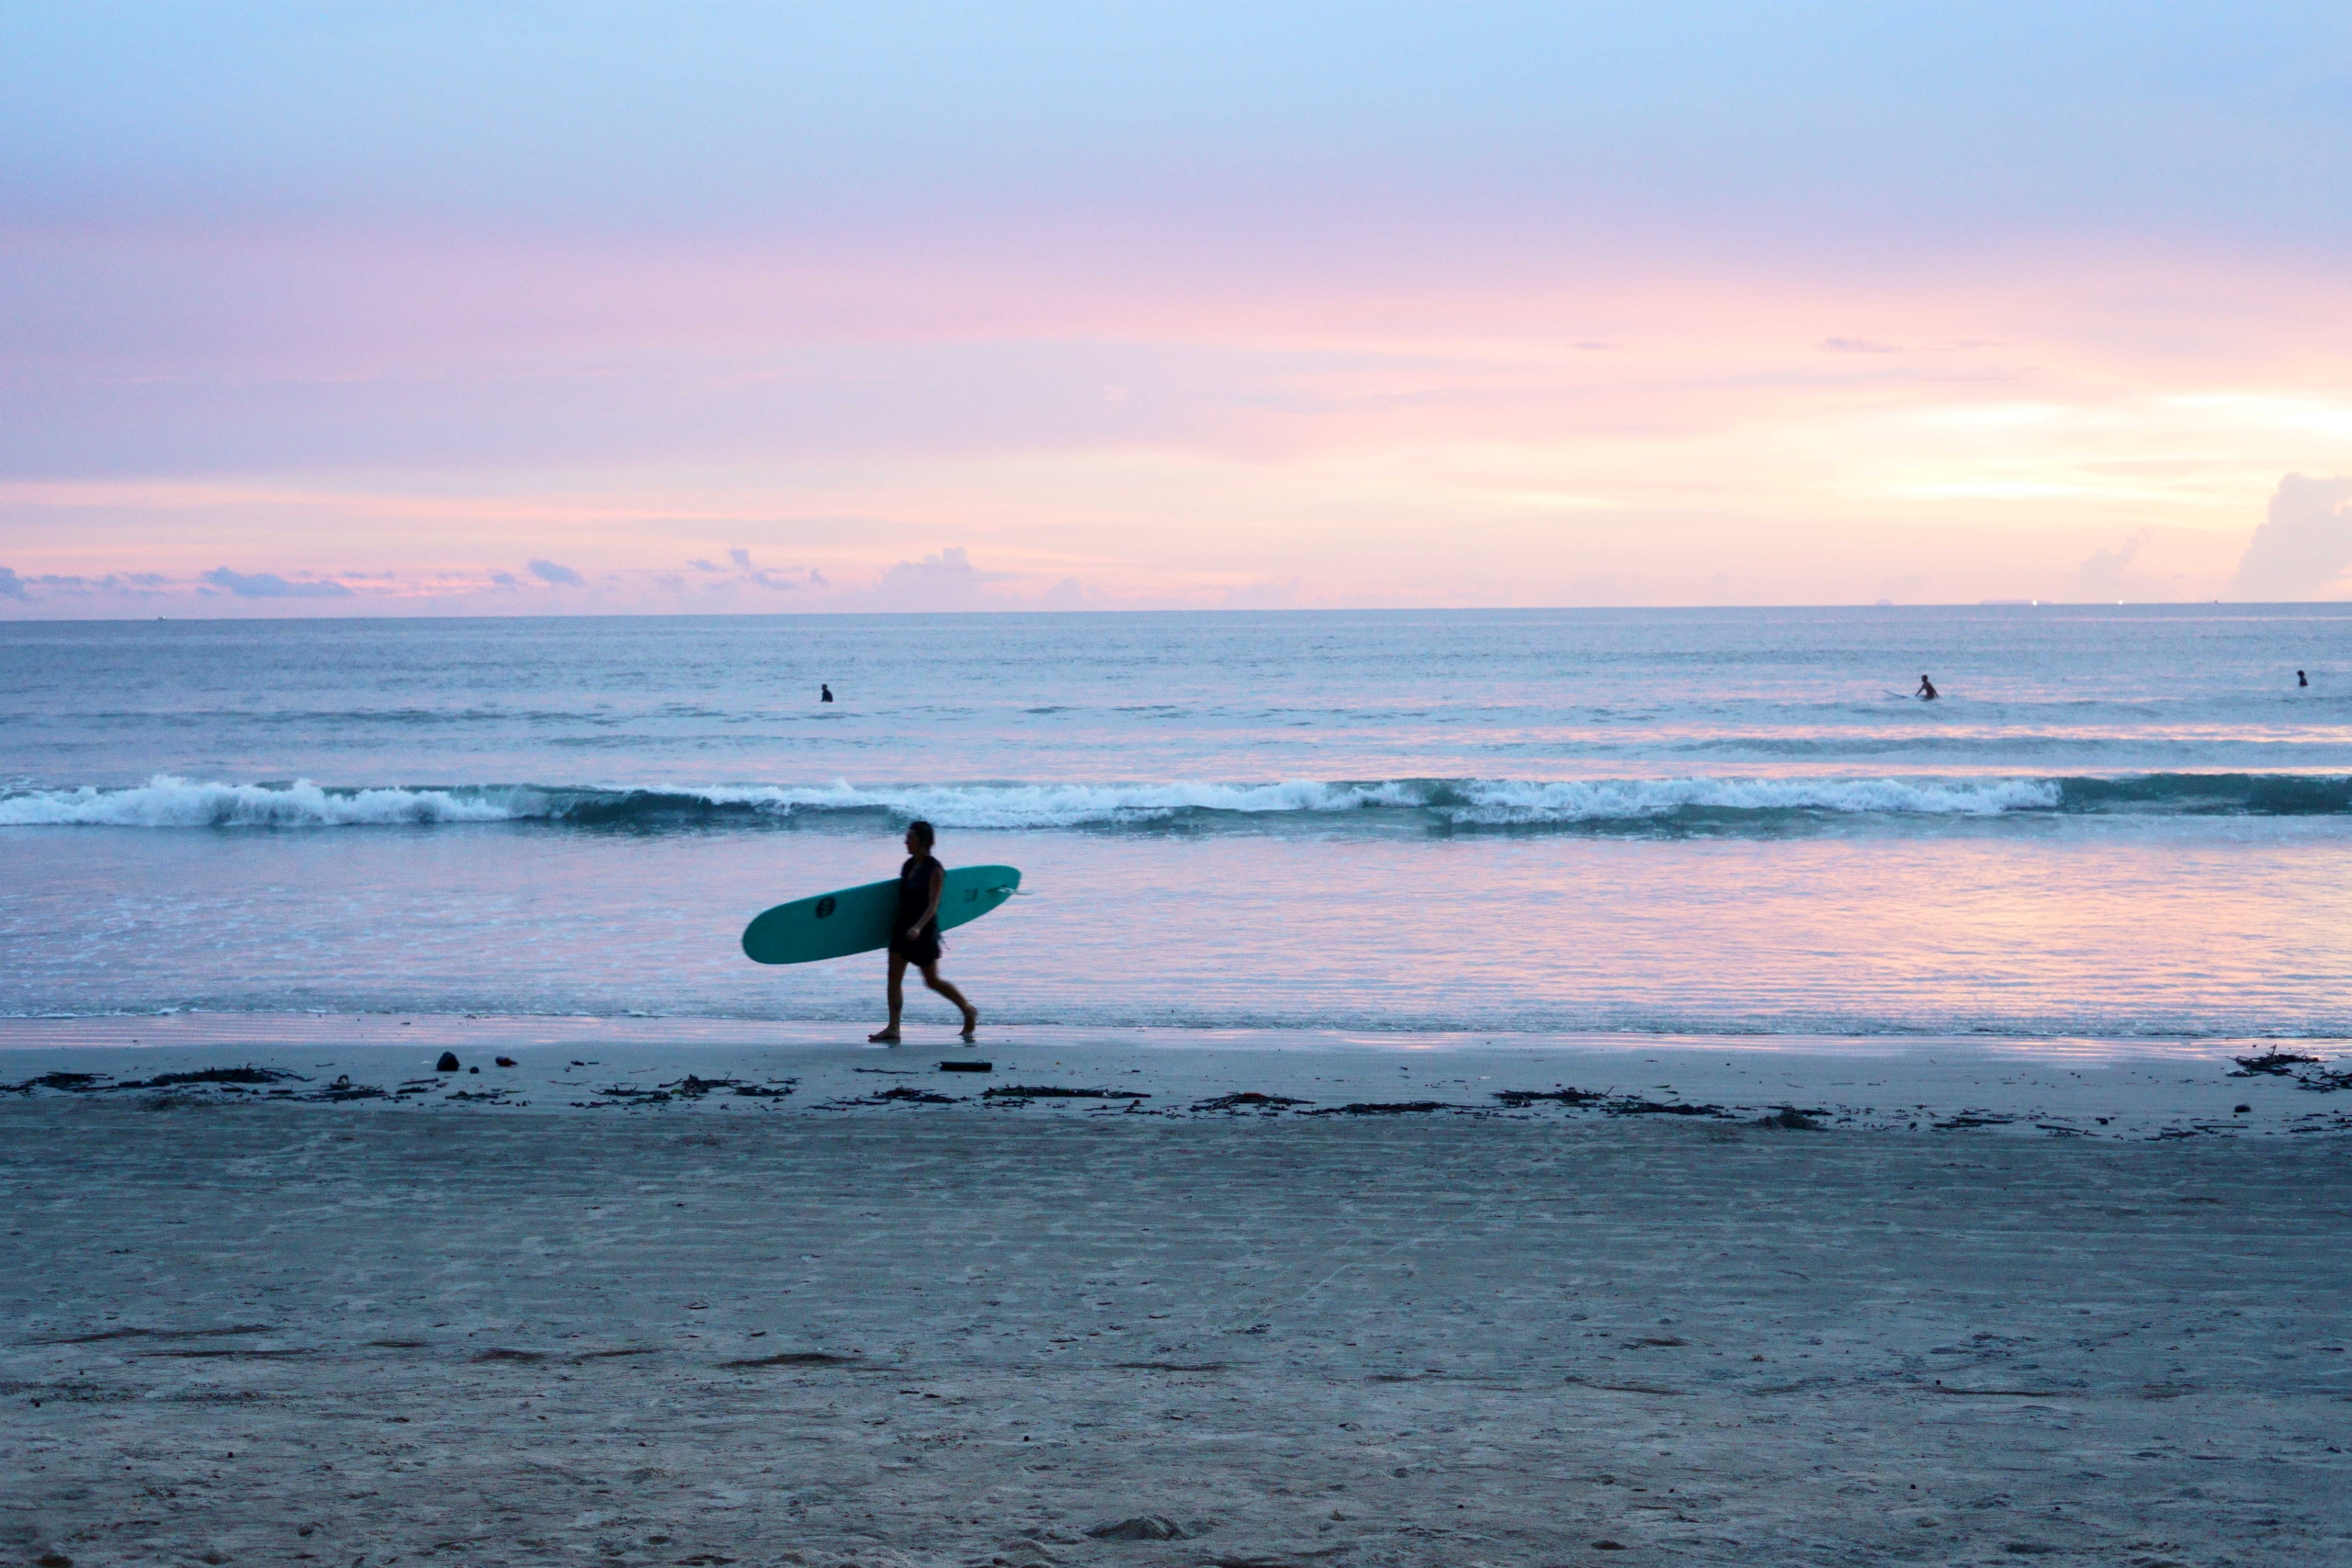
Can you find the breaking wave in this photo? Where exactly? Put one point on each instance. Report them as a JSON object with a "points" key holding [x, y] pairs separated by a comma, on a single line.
{"points": [[169, 802]]}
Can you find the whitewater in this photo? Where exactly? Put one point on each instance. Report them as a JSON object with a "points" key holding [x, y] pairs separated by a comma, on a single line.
{"points": [[2115, 822]]}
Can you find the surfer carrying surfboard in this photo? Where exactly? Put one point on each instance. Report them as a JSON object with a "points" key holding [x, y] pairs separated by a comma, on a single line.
{"points": [[914, 935]]}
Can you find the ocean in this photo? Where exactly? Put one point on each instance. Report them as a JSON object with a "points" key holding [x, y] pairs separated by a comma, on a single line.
{"points": [[2115, 823]]}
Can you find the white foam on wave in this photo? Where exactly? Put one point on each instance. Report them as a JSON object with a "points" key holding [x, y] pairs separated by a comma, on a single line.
{"points": [[1074, 805], [1507, 804], [1496, 803], [164, 801], [168, 801]]}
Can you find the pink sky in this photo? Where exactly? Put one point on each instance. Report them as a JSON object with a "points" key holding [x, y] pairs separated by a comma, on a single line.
{"points": [[1076, 355]]}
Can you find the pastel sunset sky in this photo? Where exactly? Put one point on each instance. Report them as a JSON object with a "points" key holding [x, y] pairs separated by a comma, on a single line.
{"points": [[417, 307]]}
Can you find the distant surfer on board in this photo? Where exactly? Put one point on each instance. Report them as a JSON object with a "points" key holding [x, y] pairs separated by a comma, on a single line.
{"points": [[914, 935], [824, 693], [1926, 692]]}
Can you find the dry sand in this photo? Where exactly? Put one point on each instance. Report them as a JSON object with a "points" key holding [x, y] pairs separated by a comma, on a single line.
{"points": [[731, 1329]]}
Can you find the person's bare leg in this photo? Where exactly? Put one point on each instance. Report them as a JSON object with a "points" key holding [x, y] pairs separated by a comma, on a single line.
{"points": [[947, 989], [895, 992]]}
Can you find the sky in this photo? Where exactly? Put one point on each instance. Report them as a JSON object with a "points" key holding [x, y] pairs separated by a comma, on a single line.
{"points": [[423, 309]]}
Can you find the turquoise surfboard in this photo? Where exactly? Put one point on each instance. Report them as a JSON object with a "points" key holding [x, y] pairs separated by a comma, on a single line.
{"points": [[857, 920]]}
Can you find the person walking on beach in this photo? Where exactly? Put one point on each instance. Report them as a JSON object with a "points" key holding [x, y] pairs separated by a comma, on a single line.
{"points": [[1926, 692], [914, 935]]}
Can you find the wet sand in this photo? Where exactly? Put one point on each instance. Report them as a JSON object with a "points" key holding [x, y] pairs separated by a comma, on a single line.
{"points": [[913, 1333]]}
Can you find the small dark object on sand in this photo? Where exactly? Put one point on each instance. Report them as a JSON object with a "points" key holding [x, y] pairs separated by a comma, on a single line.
{"points": [[1792, 1119], [2240, 1109], [67, 1083], [1630, 1107], [1249, 1100], [1384, 1108], [91, 1083], [906, 1094], [1519, 1099], [107, 1334], [2276, 1064], [799, 1359], [447, 1063], [504, 1355], [1055, 1091], [213, 1075], [693, 1088], [505, 1061], [1143, 1527], [968, 1066]]}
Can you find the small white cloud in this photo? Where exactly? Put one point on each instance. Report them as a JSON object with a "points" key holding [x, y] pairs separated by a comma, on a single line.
{"points": [[2303, 546]]}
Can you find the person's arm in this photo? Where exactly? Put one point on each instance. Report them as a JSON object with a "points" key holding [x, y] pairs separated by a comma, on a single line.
{"points": [[938, 888]]}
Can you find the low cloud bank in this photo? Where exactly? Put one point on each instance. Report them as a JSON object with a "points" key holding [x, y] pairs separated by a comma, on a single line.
{"points": [[269, 585]]}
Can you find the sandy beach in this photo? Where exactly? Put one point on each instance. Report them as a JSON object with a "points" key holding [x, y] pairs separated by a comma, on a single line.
{"points": [[721, 1327]]}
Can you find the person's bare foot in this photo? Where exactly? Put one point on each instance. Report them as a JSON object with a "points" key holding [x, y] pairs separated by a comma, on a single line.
{"points": [[883, 1037], [971, 1024]]}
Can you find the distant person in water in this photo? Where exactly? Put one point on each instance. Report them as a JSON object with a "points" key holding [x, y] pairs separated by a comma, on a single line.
{"points": [[2302, 678], [824, 693], [914, 935], [1926, 692]]}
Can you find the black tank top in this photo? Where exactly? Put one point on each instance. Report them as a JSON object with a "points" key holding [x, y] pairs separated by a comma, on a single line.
{"points": [[914, 894]]}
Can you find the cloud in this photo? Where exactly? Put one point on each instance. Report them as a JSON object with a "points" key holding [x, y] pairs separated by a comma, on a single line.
{"points": [[741, 558], [561, 575], [2104, 575], [947, 581], [12, 586], [2305, 544], [269, 585], [701, 565], [1273, 594]]}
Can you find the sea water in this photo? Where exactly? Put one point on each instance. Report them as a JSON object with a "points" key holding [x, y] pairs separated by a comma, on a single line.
{"points": [[2125, 822]]}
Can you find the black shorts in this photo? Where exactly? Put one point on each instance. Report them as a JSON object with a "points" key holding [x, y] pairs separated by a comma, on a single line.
{"points": [[921, 950]]}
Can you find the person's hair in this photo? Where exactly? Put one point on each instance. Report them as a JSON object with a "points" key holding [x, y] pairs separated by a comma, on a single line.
{"points": [[922, 833]]}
